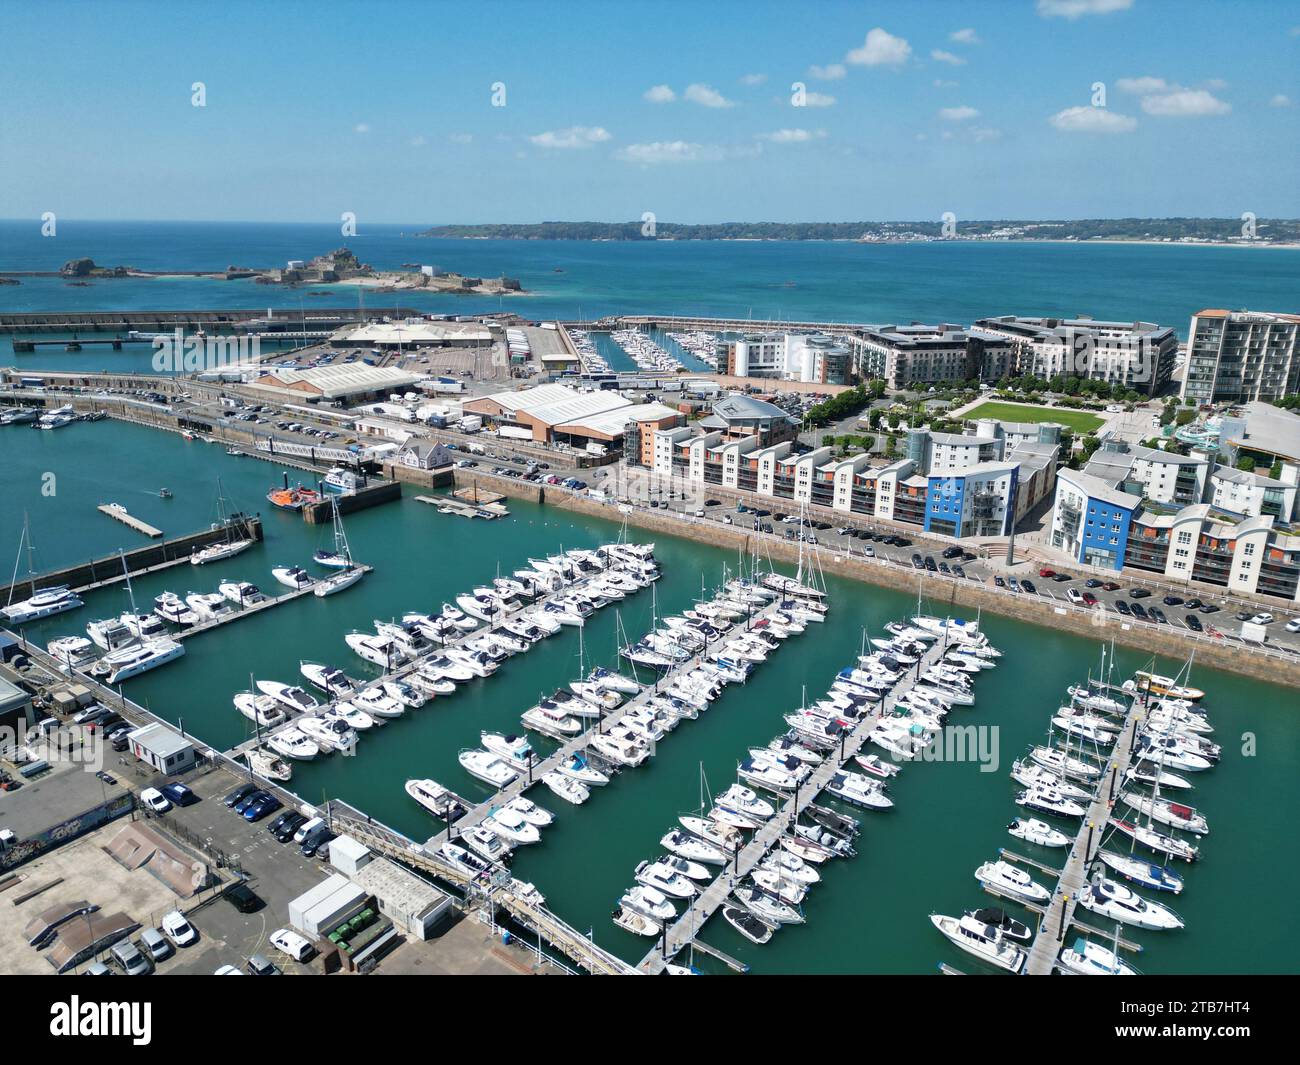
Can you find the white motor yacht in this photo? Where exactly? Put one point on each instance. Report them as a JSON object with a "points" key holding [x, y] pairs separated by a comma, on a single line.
{"points": [[548, 718], [109, 634], [376, 701], [406, 694], [172, 608], [260, 709], [128, 662], [329, 734], [289, 695], [577, 768], [436, 799], [980, 939], [649, 901], [1013, 881], [72, 651], [530, 811], [512, 826], [566, 787], [294, 577], [487, 844], [514, 750], [1031, 830], [1087, 958], [381, 651], [791, 867], [210, 606], [662, 877], [144, 626], [352, 716], [487, 767], [1049, 801], [332, 681], [1115, 902], [292, 742]]}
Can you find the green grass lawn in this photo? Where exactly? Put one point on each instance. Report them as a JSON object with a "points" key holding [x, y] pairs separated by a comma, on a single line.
{"points": [[1078, 420]]}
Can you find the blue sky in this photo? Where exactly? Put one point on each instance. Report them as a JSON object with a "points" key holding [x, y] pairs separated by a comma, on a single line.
{"points": [[680, 109]]}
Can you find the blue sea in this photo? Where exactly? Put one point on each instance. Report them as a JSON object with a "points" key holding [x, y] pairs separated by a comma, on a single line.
{"points": [[841, 282]]}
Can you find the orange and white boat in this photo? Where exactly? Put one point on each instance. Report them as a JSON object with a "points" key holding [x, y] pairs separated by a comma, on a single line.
{"points": [[294, 498]]}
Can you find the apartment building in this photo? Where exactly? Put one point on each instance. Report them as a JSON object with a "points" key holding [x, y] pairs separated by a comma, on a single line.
{"points": [[1241, 356], [812, 358]]}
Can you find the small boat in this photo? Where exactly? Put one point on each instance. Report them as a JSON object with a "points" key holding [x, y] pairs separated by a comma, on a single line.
{"points": [[566, 787], [376, 701], [289, 695], [824, 838], [858, 790], [487, 844], [648, 902], [1012, 881], [876, 766], [294, 498], [1117, 903], [662, 877], [330, 733], [1004, 923], [1158, 685], [511, 826], [294, 577], [408, 695], [1086, 958], [692, 848], [636, 923], [748, 924], [770, 909], [1173, 814], [438, 800], [264, 711], [164, 493], [172, 608], [982, 940], [266, 764], [791, 867], [331, 681], [293, 743], [1139, 871], [530, 811], [1156, 841], [779, 886], [1031, 830], [241, 593], [577, 768], [470, 865], [1050, 801], [487, 767]]}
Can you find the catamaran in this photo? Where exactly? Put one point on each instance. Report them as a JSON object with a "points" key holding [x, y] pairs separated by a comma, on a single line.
{"points": [[128, 662]]}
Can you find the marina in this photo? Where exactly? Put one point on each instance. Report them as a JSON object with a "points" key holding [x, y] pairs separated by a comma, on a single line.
{"points": [[630, 814]]}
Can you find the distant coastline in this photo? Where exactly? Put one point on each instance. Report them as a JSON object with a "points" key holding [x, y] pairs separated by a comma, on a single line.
{"points": [[1194, 232]]}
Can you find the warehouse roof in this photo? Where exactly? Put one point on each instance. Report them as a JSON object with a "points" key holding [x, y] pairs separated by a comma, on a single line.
{"points": [[337, 382], [612, 422], [418, 332]]}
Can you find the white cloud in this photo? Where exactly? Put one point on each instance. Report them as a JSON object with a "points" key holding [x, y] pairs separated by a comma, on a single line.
{"points": [[417, 141], [1280, 100], [753, 79], [958, 114], [659, 94], [706, 96], [1185, 103], [572, 137], [1216, 83], [361, 127], [881, 49], [818, 99], [1092, 120], [830, 72], [939, 55], [1142, 86], [668, 152], [461, 138], [792, 136], [967, 36], [939, 83], [1073, 9], [985, 133]]}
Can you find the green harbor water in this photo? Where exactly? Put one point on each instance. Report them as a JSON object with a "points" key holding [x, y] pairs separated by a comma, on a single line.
{"points": [[869, 914]]}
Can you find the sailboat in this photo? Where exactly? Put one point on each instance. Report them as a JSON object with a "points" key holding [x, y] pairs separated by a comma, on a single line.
{"points": [[340, 558], [224, 549], [42, 604]]}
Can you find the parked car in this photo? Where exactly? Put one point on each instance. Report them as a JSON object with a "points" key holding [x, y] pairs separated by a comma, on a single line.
{"points": [[128, 956], [1061, 578], [258, 809], [176, 928], [957, 570], [1293, 625], [155, 944], [259, 965], [1172, 600], [1194, 623], [1158, 615], [286, 831], [1208, 608], [1028, 586], [1000, 582], [243, 898], [1109, 586], [1047, 572], [248, 800], [155, 800], [1139, 611], [952, 552], [1123, 607], [239, 794], [291, 943], [1263, 618], [179, 794], [917, 561], [1074, 595], [1092, 582], [1139, 593]]}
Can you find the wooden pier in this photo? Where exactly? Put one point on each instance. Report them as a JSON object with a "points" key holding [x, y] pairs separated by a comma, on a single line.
{"points": [[464, 509], [1059, 916], [688, 926], [255, 608], [119, 513]]}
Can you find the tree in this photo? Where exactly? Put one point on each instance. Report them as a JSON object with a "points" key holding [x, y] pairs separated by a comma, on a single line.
{"points": [[1246, 463]]}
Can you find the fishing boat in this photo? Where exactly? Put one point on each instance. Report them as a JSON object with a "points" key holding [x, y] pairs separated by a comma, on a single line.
{"points": [[1031, 830], [1012, 881], [1139, 871], [439, 801], [982, 940], [1087, 958], [341, 481], [1156, 841], [514, 750], [1117, 903], [294, 498]]}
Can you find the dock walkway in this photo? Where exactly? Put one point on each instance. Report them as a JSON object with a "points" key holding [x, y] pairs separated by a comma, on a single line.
{"points": [[1060, 911], [255, 608], [687, 927], [119, 513]]}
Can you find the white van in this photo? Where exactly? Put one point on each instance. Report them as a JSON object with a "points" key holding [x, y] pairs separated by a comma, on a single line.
{"points": [[291, 943], [307, 828]]}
